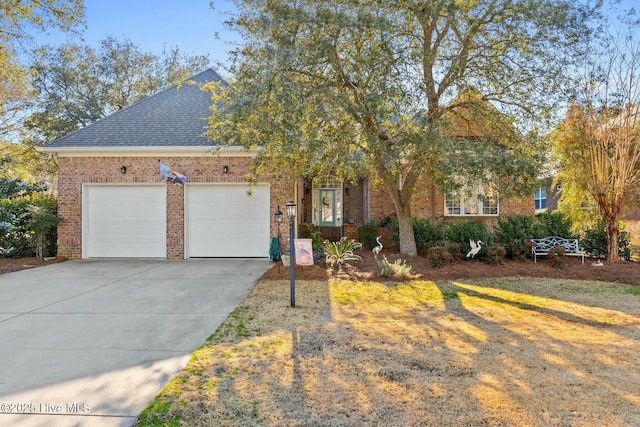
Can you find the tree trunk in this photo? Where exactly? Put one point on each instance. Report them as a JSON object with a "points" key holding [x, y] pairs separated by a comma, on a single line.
{"points": [[405, 224], [613, 233]]}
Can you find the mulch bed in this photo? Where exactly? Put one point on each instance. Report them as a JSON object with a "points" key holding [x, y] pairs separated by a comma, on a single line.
{"points": [[9, 265], [627, 272]]}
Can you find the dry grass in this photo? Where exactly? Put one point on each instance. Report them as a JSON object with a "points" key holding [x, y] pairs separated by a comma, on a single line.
{"points": [[491, 352]]}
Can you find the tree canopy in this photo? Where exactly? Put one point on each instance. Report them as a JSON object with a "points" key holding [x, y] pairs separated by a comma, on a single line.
{"points": [[77, 84], [17, 20], [350, 86]]}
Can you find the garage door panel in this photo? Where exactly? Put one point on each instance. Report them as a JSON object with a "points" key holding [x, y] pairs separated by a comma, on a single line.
{"points": [[222, 221], [124, 221]]}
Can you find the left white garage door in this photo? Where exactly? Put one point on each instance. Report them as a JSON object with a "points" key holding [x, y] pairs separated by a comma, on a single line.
{"points": [[124, 221]]}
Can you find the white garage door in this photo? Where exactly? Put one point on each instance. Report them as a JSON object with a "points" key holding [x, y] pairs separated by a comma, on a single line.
{"points": [[224, 221], [124, 221]]}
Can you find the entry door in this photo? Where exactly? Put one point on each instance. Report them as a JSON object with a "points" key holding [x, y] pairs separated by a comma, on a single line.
{"points": [[327, 197]]}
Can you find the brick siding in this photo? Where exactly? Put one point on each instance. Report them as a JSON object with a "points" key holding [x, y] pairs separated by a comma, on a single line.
{"points": [[75, 171]]}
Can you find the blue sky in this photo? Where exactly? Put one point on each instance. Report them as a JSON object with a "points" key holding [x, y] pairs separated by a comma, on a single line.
{"points": [[189, 25]]}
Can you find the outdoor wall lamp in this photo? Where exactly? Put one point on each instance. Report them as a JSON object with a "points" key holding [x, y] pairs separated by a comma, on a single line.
{"points": [[225, 169], [277, 216], [291, 213], [123, 169]]}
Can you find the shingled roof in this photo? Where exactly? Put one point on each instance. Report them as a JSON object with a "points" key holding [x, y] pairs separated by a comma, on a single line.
{"points": [[174, 117]]}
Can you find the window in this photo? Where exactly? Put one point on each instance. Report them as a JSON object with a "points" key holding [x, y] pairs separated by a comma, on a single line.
{"points": [[540, 201], [472, 199]]}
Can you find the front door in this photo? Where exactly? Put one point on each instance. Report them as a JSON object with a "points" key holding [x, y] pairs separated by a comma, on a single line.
{"points": [[327, 197]]}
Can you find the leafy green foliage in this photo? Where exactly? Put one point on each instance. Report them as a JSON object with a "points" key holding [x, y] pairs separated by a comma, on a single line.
{"points": [[426, 233], [366, 233], [27, 225], [462, 232], [338, 253], [594, 241], [555, 224], [310, 231], [352, 88], [10, 188]]}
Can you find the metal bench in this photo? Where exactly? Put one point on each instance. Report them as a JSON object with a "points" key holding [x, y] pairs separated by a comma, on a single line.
{"points": [[546, 245]]}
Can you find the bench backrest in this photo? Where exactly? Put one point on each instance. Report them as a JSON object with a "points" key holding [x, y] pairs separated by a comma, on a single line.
{"points": [[548, 243]]}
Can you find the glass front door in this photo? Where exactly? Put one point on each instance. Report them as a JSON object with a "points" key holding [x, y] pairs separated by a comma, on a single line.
{"points": [[327, 197]]}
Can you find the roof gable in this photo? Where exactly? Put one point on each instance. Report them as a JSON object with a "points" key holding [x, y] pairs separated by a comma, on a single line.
{"points": [[174, 117]]}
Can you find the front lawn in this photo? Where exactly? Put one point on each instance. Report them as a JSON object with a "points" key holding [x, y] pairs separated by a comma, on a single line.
{"points": [[487, 352]]}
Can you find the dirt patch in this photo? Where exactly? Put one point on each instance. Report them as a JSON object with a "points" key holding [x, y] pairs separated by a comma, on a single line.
{"points": [[10, 265], [623, 272]]}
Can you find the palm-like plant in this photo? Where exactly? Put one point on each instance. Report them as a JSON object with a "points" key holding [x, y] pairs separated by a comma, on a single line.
{"points": [[41, 221], [338, 253]]}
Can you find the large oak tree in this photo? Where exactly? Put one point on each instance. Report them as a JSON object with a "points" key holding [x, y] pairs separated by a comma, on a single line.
{"points": [[347, 87]]}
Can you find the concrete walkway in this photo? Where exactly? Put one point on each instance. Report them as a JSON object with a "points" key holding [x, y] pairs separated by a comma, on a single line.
{"points": [[91, 343]]}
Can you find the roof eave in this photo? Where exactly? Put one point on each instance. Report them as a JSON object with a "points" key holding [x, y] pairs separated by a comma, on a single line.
{"points": [[149, 151]]}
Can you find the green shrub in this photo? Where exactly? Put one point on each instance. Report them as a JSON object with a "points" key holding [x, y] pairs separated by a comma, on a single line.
{"points": [[427, 234], [516, 228], [338, 253], [554, 224], [366, 233], [310, 231], [594, 242], [496, 254], [437, 256], [462, 232], [17, 221]]}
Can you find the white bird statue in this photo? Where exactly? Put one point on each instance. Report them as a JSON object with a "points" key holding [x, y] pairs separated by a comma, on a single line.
{"points": [[378, 248], [475, 248]]}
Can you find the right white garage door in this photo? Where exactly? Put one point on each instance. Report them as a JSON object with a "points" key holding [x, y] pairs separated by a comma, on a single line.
{"points": [[224, 221]]}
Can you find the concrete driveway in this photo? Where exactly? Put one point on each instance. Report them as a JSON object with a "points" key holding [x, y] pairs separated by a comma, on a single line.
{"points": [[91, 343]]}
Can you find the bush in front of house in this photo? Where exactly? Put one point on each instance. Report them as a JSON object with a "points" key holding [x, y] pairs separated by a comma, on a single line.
{"points": [[594, 242], [437, 256], [495, 254], [554, 224], [28, 226], [462, 232], [366, 233]]}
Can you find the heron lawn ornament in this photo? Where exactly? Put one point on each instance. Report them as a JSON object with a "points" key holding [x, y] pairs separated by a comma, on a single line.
{"points": [[475, 248], [378, 248]]}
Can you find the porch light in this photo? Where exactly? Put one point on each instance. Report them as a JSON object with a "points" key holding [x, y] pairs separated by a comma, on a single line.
{"points": [[291, 213], [225, 169], [123, 169], [291, 209]]}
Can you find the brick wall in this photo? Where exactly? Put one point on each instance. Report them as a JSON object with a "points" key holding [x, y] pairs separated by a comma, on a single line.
{"points": [[428, 202], [74, 171]]}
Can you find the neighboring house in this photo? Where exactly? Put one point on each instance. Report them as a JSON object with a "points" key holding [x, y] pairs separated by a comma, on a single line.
{"points": [[113, 203]]}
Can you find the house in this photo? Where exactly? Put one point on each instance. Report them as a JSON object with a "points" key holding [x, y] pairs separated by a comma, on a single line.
{"points": [[114, 203]]}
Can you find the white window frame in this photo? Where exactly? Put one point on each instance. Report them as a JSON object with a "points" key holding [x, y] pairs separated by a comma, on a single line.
{"points": [[470, 200], [539, 197]]}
